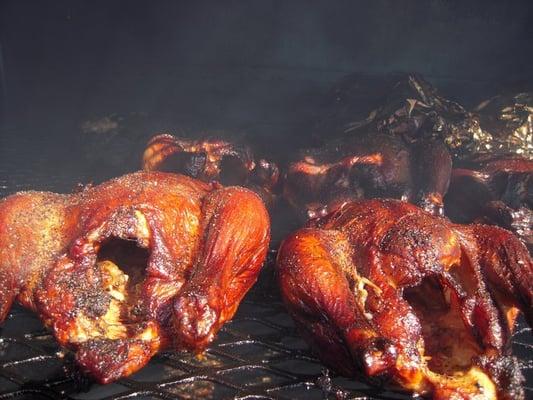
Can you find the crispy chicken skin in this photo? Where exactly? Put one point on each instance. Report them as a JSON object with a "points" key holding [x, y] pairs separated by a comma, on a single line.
{"points": [[383, 290], [212, 159], [368, 166], [497, 192], [137, 264]]}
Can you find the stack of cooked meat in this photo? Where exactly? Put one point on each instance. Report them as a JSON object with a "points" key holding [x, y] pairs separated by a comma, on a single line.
{"points": [[410, 272]]}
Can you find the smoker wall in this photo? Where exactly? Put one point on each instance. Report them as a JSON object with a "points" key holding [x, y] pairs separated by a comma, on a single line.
{"points": [[256, 66]]}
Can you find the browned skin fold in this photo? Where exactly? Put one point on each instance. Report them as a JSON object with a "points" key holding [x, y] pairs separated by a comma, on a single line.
{"points": [[212, 159], [383, 290], [72, 260]]}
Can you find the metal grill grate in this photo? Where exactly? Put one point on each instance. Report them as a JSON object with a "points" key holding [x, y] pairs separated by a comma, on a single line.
{"points": [[258, 355]]}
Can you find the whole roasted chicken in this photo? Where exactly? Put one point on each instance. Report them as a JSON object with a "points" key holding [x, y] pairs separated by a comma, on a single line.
{"points": [[497, 192], [405, 146], [212, 159], [383, 290], [368, 166], [140, 263]]}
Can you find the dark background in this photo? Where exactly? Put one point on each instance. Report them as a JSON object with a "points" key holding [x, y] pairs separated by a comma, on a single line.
{"points": [[85, 83]]}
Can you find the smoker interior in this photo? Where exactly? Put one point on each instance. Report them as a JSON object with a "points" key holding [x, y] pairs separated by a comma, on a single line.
{"points": [[257, 355], [85, 84]]}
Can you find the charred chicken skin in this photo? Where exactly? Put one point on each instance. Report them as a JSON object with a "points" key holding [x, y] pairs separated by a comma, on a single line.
{"points": [[212, 159], [140, 263], [497, 192], [381, 289], [366, 167]]}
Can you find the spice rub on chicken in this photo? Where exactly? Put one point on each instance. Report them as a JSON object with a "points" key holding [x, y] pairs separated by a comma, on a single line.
{"points": [[385, 291], [140, 263]]}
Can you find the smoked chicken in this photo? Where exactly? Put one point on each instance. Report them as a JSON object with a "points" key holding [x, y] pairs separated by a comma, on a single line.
{"points": [[497, 192], [140, 263], [212, 159], [367, 167], [383, 290], [405, 147]]}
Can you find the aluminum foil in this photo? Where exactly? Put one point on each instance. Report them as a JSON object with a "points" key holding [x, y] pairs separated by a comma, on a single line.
{"points": [[510, 121], [501, 126]]}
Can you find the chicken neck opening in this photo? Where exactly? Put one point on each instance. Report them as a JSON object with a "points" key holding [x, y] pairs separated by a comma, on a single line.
{"points": [[448, 345], [122, 264], [128, 256]]}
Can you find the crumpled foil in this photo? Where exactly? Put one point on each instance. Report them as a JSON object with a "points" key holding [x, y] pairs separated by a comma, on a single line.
{"points": [[500, 126], [510, 121]]}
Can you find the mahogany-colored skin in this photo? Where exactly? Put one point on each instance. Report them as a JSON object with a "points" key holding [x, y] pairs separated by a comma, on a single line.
{"points": [[385, 291], [368, 166], [497, 192], [205, 244], [212, 159]]}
